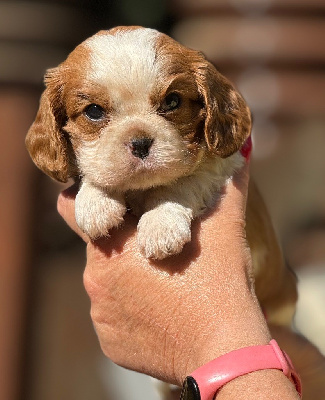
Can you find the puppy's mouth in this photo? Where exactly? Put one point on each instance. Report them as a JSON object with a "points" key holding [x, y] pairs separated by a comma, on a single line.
{"points": [[149, 172], [148, 165]]}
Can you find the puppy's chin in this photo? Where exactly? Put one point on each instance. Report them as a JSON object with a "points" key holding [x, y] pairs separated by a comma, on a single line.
{"points": [[143, 179], [140, 175]]}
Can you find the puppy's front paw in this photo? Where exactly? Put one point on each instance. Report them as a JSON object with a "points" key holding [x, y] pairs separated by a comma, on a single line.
{"points": [[164, 230], [97, 212]]}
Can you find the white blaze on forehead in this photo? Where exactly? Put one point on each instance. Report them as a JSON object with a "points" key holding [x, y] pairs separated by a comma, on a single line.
{"points": [[124, 62]]}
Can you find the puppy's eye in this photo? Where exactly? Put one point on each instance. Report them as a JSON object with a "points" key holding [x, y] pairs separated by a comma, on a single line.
{"points": [[94, 112], [171, 102]]}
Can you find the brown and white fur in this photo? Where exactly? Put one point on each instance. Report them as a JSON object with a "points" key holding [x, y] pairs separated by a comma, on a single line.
{"points": [[149, 124]]}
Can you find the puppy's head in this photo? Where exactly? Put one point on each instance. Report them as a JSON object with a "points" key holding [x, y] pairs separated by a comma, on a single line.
{"points": [[131, 108]]}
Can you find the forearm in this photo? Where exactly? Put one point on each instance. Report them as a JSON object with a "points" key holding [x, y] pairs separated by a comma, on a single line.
{"points": [[216, 332], [260, 385]]}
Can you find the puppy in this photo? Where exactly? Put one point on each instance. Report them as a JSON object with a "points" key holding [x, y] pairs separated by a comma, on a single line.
{"points": [[149, 124]]}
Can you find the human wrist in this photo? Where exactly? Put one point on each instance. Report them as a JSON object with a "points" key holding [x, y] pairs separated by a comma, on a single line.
{"points": [[255, 385], [206, 382], [215, 335]]}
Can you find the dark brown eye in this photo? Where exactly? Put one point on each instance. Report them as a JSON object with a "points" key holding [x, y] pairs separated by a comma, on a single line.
{"points": [[171, 102], [94, 112]]}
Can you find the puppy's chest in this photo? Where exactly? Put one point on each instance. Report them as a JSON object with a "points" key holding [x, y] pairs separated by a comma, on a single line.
{"points": [[135, 201], [196, 191], [139, 202]]}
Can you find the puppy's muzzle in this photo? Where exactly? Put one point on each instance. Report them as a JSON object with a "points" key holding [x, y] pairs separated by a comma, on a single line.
{"points": [[140, 147]]}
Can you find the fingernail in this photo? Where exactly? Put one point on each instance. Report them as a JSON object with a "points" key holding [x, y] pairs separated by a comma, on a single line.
{"points": [[247, 148]]}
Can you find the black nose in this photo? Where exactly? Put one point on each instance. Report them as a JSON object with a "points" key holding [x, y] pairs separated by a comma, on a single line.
{"points": [[141, 147]]}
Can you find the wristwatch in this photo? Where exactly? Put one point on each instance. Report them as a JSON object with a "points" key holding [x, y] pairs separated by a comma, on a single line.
{"points": [[204, 382]]}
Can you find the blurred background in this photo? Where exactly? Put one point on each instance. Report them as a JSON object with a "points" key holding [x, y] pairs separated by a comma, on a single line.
{"points": [[274, 52]]}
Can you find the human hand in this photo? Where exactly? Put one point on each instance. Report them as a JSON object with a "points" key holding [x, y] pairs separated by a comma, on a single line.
{"points": [[149, 315], [167, 318]]}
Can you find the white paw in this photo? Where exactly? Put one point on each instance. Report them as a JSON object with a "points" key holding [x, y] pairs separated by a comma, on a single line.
{"points": [[97, 212], [163, 231]]}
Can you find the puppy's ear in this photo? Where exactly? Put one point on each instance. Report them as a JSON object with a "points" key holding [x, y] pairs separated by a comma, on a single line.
{"points": [[45, 139], [228, 119]]}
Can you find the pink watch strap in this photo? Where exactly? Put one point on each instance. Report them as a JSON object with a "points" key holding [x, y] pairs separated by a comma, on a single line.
{"points": [[212, 376]]}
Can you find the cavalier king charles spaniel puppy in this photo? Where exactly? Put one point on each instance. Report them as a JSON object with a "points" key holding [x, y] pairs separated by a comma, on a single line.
{"points": [[148, 124]]}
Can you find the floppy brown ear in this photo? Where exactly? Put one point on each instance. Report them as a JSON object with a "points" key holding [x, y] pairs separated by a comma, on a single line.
{"points": [[228, 119], [45, 139]]}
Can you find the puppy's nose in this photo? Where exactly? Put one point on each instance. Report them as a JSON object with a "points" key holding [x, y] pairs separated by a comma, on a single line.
{"points": [[141, 147]]}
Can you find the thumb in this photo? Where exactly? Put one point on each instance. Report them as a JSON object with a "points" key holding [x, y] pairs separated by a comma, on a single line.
{"points": [[66, 208], [234, 199]]}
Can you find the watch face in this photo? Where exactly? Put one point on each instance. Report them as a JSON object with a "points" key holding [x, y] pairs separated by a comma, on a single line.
{"points": [[190, 390]]}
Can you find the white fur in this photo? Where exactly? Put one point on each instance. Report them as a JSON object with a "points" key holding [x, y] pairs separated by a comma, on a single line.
{"points": [[167, 211], [97, 212], [125, 64], [169, 187]]}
